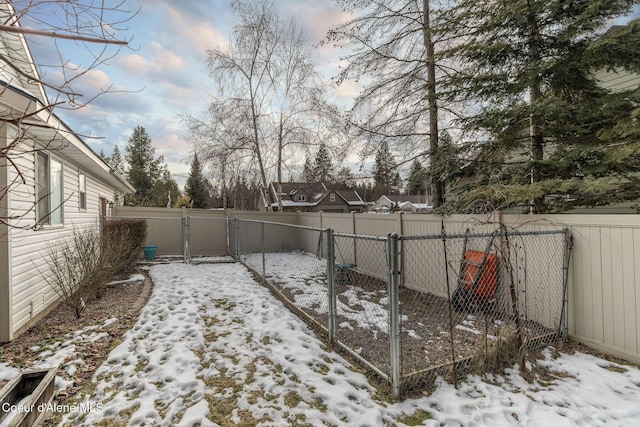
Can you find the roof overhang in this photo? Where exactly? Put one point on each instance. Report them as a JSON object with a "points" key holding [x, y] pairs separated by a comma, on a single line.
{"points": [[39, 122]]}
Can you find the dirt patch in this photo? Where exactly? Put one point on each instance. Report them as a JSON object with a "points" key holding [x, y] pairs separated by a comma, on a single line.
{"points": [[432, 334], [122, 302]]}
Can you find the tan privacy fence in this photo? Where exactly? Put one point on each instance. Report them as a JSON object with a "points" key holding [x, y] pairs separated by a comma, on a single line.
{"points": [[603, 275], [181, 232]]}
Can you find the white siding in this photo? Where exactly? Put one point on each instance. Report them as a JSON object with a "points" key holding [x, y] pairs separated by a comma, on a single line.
{"points": [[31, 294], [618, 80]]}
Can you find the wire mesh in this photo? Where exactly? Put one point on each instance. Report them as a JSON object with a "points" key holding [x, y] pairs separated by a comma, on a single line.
{"points": [[292, 260], [478, 299], [362, 309], [207, 236], [471, 299]]}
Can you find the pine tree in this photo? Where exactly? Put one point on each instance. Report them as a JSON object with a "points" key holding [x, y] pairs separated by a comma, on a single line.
{"points": [[385, 174], [116, 161], [144, 169], [416, 183], [307, 171], [165, 192], [196, 186], [344, 178], [527, 71], [323, 166]]}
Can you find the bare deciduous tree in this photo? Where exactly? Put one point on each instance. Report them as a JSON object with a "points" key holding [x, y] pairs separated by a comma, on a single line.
{"points": [[266, 91], [392, 55]]}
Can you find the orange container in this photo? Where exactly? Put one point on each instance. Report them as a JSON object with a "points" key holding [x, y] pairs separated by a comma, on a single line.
{"points": [[486, 285]]}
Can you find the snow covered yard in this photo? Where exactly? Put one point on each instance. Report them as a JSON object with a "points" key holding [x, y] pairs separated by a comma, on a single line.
{"points": [[213, 347]]}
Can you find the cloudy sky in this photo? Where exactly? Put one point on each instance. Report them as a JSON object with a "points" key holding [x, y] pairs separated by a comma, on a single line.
{"points": [[162, 73]]}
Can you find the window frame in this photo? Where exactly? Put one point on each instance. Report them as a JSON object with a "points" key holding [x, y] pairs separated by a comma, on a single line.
{"points": [[82, 191], [54, 217], [332, 197]]}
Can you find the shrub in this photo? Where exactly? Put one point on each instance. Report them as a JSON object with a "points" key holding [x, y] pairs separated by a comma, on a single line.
{"points": [[80, 266], [74, 267], [122, 243]]}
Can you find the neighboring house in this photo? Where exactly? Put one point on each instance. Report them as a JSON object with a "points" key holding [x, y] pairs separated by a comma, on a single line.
{"points": [[402, 203], [313, 197], [54, 182], [618, 79]]}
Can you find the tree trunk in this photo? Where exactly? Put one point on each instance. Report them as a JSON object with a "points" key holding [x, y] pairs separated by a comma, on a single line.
{"points": [[280, 142], [437, 187], [263, 175], [535, 132]]}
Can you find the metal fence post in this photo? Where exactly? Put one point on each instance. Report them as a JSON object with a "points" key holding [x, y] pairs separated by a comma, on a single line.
{"points": [[186, 239], [394, 311], [565, 282], [264, 263], [236, 237], [331, 285]]}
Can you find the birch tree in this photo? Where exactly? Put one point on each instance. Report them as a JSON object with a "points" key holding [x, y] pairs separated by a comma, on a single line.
{"points": [[266, 85]]}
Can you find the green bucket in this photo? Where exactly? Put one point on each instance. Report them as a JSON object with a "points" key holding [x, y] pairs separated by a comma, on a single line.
{"points": [[150, 252]]}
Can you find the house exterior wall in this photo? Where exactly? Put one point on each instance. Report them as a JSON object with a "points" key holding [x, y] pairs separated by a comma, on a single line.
{"points": [[30, 297], [5, 249], [617, 80], [328, 206]]}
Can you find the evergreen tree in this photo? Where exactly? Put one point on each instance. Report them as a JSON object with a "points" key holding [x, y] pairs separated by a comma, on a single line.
{"points": [[344, 179], [416, 183], [196, 186], [365, 190], [527, 71], [165, 192], [116, 161], [385, 174], [144, 169], [214, 196], [307, 171], [323, 166]]}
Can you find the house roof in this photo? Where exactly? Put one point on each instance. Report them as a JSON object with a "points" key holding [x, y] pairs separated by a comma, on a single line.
{"points": [[23, 99], [314, 192], [20, 71]]}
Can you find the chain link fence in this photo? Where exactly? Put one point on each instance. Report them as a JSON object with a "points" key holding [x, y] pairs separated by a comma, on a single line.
{"points": [[479, 299], [410, 308], [292, 262]]}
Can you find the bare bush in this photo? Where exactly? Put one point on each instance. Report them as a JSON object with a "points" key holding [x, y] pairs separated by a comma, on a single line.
{"points": [[74, 268], [122, 243]]}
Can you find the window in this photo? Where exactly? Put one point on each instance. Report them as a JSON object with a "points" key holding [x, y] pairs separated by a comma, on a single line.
{"points": [[82, 191], [49, 190], [332, 197], [301, 198]]}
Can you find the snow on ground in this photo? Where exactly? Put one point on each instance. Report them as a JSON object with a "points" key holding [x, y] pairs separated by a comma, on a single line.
{"points": [[213, 347], [305, 276]]}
